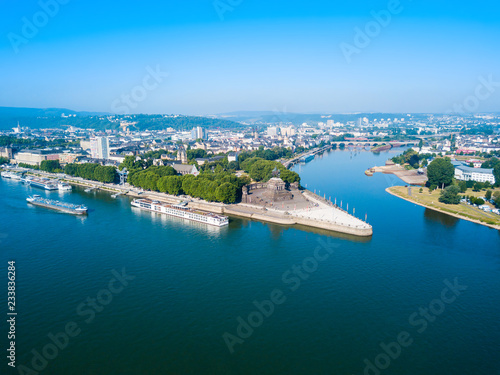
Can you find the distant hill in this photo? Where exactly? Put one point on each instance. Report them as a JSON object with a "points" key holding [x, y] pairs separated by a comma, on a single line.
{"points": [[36, 118], [11, 112], [39, 117], [255, 117]]}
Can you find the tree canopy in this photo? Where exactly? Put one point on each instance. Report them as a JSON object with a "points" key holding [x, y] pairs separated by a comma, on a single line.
{"points": [[440, 172], [450, 195], [50, 166], [92, 171]]}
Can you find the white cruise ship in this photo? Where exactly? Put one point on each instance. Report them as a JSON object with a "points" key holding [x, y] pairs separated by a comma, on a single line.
{"points": [[181, 211]]}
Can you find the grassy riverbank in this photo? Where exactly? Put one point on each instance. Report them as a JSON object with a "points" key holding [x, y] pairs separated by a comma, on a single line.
{"points": [[462, 210]]}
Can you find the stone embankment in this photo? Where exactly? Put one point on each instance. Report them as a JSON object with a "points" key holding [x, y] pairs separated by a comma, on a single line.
{"points": [[321, 213]]}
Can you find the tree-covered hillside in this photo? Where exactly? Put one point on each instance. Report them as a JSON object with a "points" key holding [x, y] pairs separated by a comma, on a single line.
{"points": [[52, 118]]}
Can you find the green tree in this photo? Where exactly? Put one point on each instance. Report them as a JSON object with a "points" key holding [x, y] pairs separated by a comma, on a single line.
{"points": [[226, 193], [174, 185], [414, 161], [488, 194], [211, 191], [479, 201], [170, 184], [450, 195], [496, 173], [248, 163], [462, 186], [50, 165], [261, 170], [3, 160], [440, 172], [496, 200], [289, 176], [477, 186], [233, 165]]}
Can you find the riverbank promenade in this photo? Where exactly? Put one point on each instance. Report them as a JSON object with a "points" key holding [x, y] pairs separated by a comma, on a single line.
{"points": [[306, 208]]}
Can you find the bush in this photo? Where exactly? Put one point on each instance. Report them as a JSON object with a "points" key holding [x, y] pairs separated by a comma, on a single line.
{"points": [[479, 201]]}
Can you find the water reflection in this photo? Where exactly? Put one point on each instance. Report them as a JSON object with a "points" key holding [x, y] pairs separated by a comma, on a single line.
{"points": [[447, 220], [178, 223]]}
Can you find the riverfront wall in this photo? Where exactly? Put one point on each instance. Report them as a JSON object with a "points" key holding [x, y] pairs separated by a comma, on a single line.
{"points": [[242, 210]]}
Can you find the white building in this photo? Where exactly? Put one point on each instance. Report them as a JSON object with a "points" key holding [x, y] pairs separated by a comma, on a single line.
{"points": [[288, 131], [198, 133], [465, 173], [273, 131], [99, 148]]}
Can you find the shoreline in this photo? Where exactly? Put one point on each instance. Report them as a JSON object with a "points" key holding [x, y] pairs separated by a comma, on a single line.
{"points": [[437, 209], [244, 210], [411, 177]]}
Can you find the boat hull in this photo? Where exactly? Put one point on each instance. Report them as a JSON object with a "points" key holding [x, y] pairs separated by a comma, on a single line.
{"points": [[205, 218], [77, 211]]}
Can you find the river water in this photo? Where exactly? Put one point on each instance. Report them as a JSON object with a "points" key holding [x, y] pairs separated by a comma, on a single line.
{"points": [[129, 292]]}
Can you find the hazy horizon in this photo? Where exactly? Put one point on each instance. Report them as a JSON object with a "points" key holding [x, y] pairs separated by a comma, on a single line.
{"points": [[214, 57]]}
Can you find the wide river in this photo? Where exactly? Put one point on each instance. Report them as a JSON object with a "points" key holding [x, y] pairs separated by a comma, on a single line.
{"points": [[129, 292]]}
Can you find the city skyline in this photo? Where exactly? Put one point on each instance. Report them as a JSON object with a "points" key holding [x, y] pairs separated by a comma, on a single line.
{"points": [[220, 56]]}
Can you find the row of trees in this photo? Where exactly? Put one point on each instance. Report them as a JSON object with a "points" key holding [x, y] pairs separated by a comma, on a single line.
{"points": [[29, 166], [212, 186], [272, 154], [262, 170], [148, 178], [92, 171], [51, 166]]}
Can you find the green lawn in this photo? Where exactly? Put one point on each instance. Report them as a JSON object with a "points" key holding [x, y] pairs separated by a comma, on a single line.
{"points": [[431, 199]]}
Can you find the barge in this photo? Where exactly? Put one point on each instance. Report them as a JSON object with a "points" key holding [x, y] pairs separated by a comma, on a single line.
{"points": [[68, 208]]}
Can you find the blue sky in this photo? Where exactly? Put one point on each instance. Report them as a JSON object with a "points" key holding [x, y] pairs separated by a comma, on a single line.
{"points": [[260, 55]]}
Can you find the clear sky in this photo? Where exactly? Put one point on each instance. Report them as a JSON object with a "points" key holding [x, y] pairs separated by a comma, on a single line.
{"points": [[228, 55]]}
